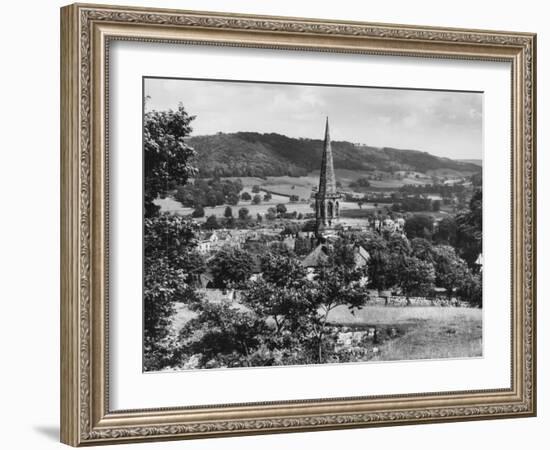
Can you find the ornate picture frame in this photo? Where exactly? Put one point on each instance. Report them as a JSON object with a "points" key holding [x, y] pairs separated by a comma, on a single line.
{"points": [[86, 34]]}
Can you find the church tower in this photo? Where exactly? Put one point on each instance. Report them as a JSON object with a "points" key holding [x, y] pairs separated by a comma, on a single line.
{"points": [[327, 199]]}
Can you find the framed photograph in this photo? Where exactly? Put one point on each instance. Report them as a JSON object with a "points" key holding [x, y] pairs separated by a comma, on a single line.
{"points": [[274, 224]]}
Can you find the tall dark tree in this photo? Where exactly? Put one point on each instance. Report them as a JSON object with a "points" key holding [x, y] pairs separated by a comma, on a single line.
{"points": [[419, 225], [469, 236], [231, 267], [167, 157]]}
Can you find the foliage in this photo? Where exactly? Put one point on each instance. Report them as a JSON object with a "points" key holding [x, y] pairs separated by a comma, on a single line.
{"points": [[280, 208], [257, 199], [471, 289], [446, 231], [360, 182], [469, 230], [230, 268], [228, 212], [167, 156], [419, 225], [246, 196], [416, 277], [211, 223], [450, 269], [259, 155], [213, 192], [198, 211], [171, 265], [244, 213]]}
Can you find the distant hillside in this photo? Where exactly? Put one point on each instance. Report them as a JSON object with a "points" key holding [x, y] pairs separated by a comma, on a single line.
{"points": [[247, 154], [477, 162]]}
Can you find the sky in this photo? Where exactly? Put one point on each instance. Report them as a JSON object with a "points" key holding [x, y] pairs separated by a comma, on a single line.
{"points": [[443, 123]]}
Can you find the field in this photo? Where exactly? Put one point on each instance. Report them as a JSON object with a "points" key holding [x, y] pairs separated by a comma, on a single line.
{"points": [[422, 332], [417, 332]]}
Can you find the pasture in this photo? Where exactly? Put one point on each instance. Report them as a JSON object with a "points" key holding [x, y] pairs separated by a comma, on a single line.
{"points": [[417, 332]]}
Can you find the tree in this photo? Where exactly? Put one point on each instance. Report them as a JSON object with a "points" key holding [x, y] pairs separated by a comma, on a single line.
{"points": [[416, 277], [256, 189], [198, 211], [294, 198], [471, 289], [171, 266], [228, 337], [271, 214], [244, 213], [228, 212], [436, 205], [419, 225], [231, 267], [334, 286], [450, 269], [257, 199], [212, 223], [267, 197], [280, 208], [233, 198], [422, 249], [446, 231], [246, 196], [469, 236], [167, 158]]}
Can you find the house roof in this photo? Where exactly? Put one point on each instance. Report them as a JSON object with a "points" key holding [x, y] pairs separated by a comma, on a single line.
{"points": [[317, 257]]}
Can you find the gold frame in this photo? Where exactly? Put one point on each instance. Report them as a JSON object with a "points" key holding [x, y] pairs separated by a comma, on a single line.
{"points": [[86, 31]]}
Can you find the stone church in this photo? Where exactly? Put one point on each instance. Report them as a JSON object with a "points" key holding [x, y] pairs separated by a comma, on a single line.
{"points": [[327, 199]]}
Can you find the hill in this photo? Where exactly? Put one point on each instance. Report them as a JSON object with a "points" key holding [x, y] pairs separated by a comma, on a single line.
{"points": [[248, 154]]}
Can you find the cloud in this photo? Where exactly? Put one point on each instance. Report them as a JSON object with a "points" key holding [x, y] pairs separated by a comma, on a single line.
{"points": [[441, 122]]}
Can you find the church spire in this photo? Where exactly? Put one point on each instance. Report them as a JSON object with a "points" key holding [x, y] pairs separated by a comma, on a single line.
{"points": [[327, 179], [327, 199]]}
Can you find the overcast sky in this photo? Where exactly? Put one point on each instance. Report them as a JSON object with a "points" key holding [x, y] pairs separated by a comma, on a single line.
{"points": [[442, 123]]}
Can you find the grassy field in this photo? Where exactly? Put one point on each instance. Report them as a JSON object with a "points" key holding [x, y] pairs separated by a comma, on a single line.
{"points": [[427, 332], [418, 332]]}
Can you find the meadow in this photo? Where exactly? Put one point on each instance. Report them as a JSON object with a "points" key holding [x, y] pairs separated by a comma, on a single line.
{"points": [[407, 332]]}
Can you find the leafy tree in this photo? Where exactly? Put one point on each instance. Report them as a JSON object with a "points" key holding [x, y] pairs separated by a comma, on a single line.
{"points": [[246, 196], [228, 212], [399, 246], [227, 336], [436, 205], [233, 198], [267, 197], [471, 289], [231, 267], [419, 225], [257, 199], [171, 266], [198, 211], [167, 158], [422, 249], [469, 234], [416, 277], [446, 231], [256, 189], [271, 214], [281, 209], [450, 269], [294, 198], [163, 286], [244, 213], [334, 286], [211, 223]]}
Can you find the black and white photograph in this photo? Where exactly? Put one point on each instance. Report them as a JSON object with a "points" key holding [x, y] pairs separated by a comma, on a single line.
{"points": [[291, 224]]}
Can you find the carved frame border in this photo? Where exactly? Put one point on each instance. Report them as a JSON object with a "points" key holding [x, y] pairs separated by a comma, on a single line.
{"points": [[86, 31]]}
